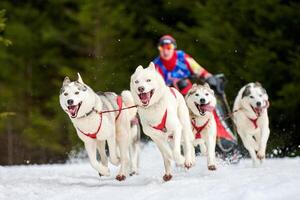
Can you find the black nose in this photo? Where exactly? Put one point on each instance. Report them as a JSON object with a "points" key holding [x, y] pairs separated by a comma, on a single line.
{"points": [[141, 89], [258, 104], [202, 100], [70, 102]]}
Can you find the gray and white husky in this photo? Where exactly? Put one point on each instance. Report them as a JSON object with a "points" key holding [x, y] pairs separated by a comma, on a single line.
{"points": [[95, 127], [251, 119], [201, 102]]}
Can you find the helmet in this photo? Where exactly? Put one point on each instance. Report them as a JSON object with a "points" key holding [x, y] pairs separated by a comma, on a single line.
{"points": [[167, 39]]}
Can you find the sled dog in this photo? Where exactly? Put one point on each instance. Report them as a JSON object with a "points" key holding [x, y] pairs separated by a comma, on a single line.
{"points": [[95, 127], [250, 114], [201, 102], [164, 117]]}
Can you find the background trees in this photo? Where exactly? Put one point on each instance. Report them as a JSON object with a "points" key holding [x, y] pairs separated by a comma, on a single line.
{"points": [[106, 40]]}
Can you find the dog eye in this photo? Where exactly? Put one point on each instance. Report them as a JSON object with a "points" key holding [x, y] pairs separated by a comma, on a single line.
{"points": [[206, 94], [260, 95], [77, 92], [136, 82], [196, 94], [148, 80], [66, 94], [251, 97]]}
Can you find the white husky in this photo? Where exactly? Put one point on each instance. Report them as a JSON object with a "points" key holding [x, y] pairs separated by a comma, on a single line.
{"points": [[85, 109], [251, 119], [201, 101], [164, 115]]}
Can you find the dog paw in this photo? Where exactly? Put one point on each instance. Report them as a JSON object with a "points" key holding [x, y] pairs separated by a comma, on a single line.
{"points": [[133, 173], [179, 160], [115, 161], [260, 155], [212, 167], [120, 177], [105, 172], [188, 164], [167, 177]]}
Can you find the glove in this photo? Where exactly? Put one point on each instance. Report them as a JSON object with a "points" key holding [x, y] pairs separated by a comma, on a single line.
{"points": [[212, 82], [215, 84]]}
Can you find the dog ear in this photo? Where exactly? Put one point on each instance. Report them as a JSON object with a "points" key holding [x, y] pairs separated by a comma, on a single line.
{"points": [[257, 84], [66, 81], [194, 85], [79, 79], [206, 85], [246, 91], [151, 66], [139, 68]]}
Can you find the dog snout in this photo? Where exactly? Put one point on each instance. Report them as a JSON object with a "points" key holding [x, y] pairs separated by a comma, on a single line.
{"points": [[258, 104], [202, 100], [141, 89], [70, 102]]}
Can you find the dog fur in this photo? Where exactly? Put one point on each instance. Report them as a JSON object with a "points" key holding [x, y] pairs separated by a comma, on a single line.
{"points": [[251, 118], [155, 100], [201, 102], [83, 105]]}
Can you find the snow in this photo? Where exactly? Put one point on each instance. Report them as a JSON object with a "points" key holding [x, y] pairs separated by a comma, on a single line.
{"points": [[275, 179]]}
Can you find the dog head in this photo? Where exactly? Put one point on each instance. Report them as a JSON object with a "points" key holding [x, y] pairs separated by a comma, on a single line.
{"points": [[255, 96], [76, 98], [201, 99], [146, 85]]}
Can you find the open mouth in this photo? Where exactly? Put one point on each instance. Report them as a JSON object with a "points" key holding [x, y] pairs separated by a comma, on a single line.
{"points": [[145, 97], [202, 108], [257, 110], [73, 109]]}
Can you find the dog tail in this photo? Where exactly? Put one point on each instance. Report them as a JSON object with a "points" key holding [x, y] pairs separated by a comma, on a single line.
{"points": [[128, 101]]}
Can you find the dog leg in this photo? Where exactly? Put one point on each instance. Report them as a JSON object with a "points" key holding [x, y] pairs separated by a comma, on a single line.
{"points": [[263, 142], [123, 146], [102, 152], [179, 159], [112, 146], [189, 150], [211, 156], [249, 146], [167, 157], [91, 148], [134, 150], [203, 147]]}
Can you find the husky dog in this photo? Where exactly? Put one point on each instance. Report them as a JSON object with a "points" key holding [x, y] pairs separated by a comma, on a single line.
{"points": [[95, 127], [201, 102], [251, 118], [164, 117]]}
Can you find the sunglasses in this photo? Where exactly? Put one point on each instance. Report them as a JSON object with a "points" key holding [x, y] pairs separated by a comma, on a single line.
{"points": [[166, 46]]}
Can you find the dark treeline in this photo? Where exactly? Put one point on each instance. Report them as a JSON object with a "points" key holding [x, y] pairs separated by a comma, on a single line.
{"points": [[106, 40]]}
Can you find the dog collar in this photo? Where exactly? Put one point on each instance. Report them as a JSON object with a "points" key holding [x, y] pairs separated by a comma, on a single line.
{"points": [[199, 129], [88, 113]]}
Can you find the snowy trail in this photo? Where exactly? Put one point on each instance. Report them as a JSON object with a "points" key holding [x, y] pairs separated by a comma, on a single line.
{"points": [[275, 179]]}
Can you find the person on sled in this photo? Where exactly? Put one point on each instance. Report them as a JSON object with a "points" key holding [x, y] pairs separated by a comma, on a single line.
{"points": [[179, 69]]}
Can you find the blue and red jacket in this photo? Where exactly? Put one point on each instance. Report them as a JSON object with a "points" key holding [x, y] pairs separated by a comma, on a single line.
{"points": [[180, 66]]}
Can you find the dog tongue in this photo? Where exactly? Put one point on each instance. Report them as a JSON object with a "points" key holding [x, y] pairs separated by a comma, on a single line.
{"points": [[145, 97], [207, 107], [72, 110]]}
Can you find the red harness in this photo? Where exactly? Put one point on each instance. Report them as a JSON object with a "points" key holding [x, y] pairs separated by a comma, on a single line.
{"points": [[199, 129], [254, 122], [94, 135], [162, 125]]}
